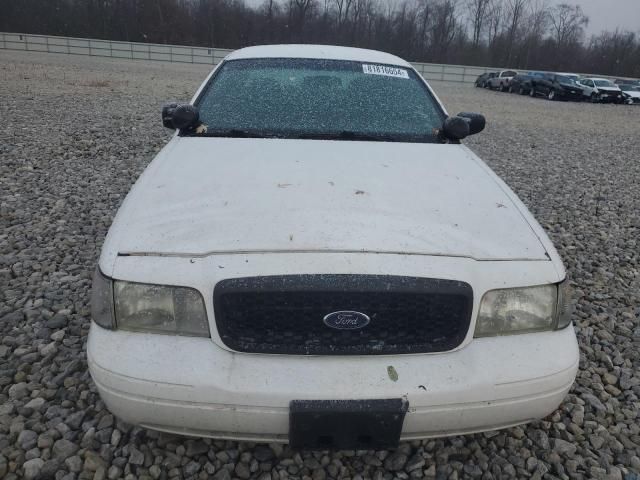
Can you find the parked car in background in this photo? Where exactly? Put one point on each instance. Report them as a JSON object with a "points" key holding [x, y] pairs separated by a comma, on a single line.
{"points": [[601, 90], [520, 84], [630, 93], [573, 76], [502, 80], [624, 81], [481, 81], [556, 87]]}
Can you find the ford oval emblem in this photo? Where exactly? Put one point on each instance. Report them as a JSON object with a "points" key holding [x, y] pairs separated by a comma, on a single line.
{"points": [[346, 320]]}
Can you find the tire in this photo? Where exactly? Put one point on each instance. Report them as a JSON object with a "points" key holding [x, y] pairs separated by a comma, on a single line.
{"points": [[502, 87], [510, 89], [552, 95], [532, 92], [595, 98], [520, 91]]}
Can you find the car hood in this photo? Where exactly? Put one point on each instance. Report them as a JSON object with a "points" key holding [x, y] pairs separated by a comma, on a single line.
{"points": [[204, 196], [609, 89], [632, 93]]}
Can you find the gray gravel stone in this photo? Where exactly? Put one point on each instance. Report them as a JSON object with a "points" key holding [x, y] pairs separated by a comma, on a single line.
{"points": [[74, 463], [222, 475], [395, 461], [36, 403], [196, 447], [63, 449], [242, 470], [562, 447], [18, 391], [27, 439], [32, 468], [49, 469], [192, 468], [136, 457]]}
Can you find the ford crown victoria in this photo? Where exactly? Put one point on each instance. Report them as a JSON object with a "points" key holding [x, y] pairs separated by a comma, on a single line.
{"points": [[316, 258]]}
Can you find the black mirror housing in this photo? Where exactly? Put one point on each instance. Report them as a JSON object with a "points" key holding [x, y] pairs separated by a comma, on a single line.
{"points": [[477, 122], [180, 117], [167, 115], [455, 128]]}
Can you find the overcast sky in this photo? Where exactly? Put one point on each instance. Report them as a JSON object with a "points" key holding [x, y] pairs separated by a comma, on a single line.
{"points": [[609, 14]]}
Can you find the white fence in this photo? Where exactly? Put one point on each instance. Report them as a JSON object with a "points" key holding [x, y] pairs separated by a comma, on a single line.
{"points": [[183, 54]]}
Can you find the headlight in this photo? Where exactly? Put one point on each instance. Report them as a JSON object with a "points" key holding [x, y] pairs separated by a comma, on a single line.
{"points": [[522, 310], [102, 300], [160, 309]]}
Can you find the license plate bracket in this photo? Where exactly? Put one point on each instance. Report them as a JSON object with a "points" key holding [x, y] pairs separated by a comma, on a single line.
{"points": [[346, 424]]}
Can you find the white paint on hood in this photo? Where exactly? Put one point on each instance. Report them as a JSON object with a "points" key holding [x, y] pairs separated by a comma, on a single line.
{"points": [[206, 195]]}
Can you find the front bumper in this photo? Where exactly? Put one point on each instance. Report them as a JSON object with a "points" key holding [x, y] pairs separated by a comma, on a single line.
{"points": [[194, 387], [576, 95], [606, 97]]}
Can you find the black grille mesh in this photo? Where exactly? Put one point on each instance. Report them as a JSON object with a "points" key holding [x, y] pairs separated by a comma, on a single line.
{"points": [[284, 314]]}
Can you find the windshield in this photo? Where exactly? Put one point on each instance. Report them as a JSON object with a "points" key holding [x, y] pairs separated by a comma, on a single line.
{"points": [[563, 79], [313, 98], [603, 83]]}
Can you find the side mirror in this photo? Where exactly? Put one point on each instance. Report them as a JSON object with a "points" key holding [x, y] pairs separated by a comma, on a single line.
{"points": [[477, 122], [181, 117], [167, 115], [455, 128]]}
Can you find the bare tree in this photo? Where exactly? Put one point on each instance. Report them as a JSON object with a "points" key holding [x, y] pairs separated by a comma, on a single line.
{"points": [[537, 25], [343, 7], [478, 11], [515, 10], [444, 28], [567, 23], [494, 16], [614, 50]]}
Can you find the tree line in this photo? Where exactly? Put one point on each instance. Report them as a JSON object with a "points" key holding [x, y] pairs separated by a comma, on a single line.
{"points": [[522, 34]]}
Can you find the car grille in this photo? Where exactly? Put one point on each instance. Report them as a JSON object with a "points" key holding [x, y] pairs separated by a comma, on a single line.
{"points": [[285, 314]]}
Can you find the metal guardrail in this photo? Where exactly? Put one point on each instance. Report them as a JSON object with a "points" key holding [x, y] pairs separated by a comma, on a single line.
{"points": [[184, 54]]}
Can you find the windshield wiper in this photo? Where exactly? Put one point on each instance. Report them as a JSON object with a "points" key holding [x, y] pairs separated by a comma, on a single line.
{"points": [[347, 135], [233, 133]]}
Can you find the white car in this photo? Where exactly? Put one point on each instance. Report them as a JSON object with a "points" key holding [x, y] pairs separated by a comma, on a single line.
{"points": [[631, 93], [601, 90], [502, 80], [315, 258]]}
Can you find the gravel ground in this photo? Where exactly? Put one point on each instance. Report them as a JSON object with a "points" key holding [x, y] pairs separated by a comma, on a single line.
{"points": [[79, 131]]}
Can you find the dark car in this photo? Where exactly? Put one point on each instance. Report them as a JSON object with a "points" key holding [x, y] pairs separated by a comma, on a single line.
{"points": [[556, 87], [521, 84], [481, 81]]}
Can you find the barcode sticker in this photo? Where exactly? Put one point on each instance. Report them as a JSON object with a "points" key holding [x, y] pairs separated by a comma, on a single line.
{"points": [[385, 70]]}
